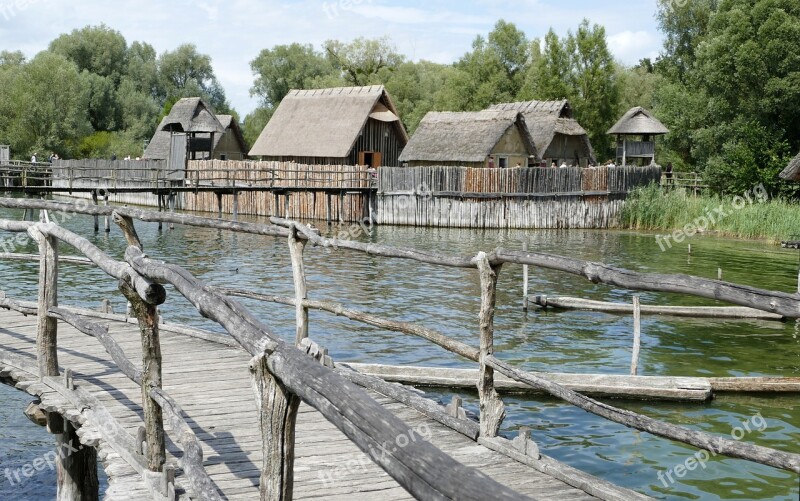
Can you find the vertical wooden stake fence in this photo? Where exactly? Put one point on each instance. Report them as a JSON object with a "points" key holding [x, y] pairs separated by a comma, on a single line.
{"points": [[296, 247], [637, 335], [277, 412], [491, 405]]}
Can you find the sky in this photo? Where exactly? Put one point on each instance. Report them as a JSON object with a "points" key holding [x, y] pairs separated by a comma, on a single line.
{"points": [[233, 32]]}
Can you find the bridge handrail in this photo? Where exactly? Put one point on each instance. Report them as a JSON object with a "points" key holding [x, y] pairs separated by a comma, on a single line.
{"points": [[278, 365]]}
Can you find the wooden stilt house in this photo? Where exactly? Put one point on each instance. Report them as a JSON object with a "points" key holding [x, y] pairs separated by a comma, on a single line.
{"points": [[340, 126], [487, 138], [557, 135]]}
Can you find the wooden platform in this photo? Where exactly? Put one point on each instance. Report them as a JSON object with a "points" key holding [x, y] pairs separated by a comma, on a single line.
{"points": [[223, 415]]}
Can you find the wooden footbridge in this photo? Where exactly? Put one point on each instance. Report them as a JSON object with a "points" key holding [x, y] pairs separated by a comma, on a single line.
{"points": [[173, 412]]}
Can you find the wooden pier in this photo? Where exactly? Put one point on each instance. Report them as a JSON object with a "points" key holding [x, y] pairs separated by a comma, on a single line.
{"points": [[170, 411]]}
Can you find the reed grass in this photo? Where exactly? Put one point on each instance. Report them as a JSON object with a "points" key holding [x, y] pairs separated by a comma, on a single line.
{"points": [[652, 208]]}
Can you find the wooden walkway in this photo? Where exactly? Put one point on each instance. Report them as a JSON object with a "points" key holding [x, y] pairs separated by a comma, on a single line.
{"points": [[222, 413]]}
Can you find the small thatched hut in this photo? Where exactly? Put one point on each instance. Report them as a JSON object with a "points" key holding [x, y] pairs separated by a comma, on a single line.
{"points": [[792, 171], [341, 126], [636, 132], [558, 136], [488, 138], [191, 130]]}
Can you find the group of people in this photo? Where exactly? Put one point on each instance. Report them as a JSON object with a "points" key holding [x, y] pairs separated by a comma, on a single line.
{"points": [[50, 159]]}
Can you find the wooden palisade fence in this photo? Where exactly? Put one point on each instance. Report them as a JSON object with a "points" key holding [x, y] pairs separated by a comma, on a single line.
{"points": [[283, 374]]}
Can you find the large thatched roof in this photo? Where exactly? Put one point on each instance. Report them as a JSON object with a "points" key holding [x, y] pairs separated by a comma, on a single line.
{"points": [[545, 119], [638, 121], [324, 123], [463, 137], [792, 171], [190, 114]]}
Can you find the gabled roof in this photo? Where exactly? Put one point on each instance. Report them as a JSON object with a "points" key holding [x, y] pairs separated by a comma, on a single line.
{"points": [[792, 171], [190, 114], [324, 123], [561, 108], [228, 123], [638, 121], [545, 119], [463, 137]]}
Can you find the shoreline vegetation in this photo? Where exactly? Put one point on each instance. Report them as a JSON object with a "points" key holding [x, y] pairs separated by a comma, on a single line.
{"points": [[746, 217]]}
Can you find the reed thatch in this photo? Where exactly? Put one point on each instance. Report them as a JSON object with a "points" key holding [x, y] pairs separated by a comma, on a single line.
{"points": [[190, 115], [548, 119], [231, 126], [638, 122], [792, 171], [325, 123], [463, 137]]}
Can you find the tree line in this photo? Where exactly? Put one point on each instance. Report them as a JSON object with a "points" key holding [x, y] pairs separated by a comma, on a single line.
{"points": [[726, 84]]}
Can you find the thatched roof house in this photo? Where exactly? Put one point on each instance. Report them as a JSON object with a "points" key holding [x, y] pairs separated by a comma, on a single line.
{"points": [[792, 171], [557, 135], [345, 126], [488, 138], [638, 122], [191, 127]]}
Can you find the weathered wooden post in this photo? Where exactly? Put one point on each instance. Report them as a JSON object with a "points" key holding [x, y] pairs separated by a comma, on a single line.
{"points": [[719, 273], [147, 316], [525, 280], [96, 218], [296, 248], [108, 219], [277, 413], [491, 405], [219, 204], [76, 469], [235, 205], [171, 201], [637, 335]]}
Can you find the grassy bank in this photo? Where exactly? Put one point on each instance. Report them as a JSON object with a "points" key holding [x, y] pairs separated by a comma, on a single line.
{"points": [[750, 215]]}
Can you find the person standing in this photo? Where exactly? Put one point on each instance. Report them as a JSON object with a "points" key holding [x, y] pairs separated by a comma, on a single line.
{"points": [[33, 158], [668, 173]]}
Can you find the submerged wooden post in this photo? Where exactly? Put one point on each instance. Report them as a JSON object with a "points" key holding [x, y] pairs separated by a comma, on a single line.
{"points": [[77, 469], [296, 247], [277, 412], [637, 335], [235, 205], [96, 218], [219, 204], [171, 200], [524, 280], [108, 222], [491, 405]]}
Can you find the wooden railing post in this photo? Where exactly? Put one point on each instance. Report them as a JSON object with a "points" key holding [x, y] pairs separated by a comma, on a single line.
{"points": [[491, 405], [296, 247], [277, 414], [76, 471]]}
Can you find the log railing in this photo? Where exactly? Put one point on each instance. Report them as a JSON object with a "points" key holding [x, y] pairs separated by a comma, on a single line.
{"points": [[282, 373]]}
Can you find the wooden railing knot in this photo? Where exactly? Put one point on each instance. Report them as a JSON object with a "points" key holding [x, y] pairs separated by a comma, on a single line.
{"points": [[525, 444], [316, 352], [68, 379]]}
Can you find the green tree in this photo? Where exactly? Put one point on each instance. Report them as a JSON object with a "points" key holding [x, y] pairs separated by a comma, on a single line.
{"points": [[685, 25], [96, 49], [48, 105], [185, 72], [581, 69], [363, 61], [286, 67], [414, 87]]}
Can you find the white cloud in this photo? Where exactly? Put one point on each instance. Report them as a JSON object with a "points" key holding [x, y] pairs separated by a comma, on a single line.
{"points": [[631, 46]]}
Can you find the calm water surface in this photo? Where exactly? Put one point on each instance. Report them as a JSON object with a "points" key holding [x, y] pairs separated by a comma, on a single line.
{"points": [[448, 299]]}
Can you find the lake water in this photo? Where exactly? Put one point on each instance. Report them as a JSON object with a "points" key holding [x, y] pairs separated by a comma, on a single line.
{"points": [[448, 300]]}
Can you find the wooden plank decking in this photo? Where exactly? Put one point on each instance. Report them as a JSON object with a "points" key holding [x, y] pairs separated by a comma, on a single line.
{"points": [[211, 381]]}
